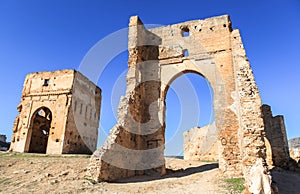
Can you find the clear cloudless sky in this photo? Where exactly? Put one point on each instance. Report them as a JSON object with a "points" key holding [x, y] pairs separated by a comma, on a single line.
{"points": [[47, 35]]}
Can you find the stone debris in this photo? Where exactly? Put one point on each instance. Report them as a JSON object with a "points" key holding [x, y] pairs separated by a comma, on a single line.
{"points": [[48, 175], [63, 173], [54, 181]]}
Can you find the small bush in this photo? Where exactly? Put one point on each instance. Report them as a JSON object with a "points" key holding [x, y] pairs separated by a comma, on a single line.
{"points": [[235, 185]]}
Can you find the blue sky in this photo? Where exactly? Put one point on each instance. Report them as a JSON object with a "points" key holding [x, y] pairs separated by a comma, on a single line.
{"points": [[44, 35]]}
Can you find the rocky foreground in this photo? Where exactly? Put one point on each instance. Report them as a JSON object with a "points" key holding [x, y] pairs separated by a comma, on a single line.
{"points": [[27, 173]]}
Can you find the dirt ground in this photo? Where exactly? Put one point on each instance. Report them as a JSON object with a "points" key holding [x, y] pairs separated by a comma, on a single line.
{"points": [[32, 174], [65, 174]]}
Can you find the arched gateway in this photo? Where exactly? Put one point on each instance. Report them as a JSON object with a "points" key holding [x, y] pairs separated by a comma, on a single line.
{"points": [[39, 130], [157, 56]]}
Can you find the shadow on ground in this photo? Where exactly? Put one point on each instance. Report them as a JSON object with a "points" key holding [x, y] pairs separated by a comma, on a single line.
{"points": [[287, 182], [170, 174]]}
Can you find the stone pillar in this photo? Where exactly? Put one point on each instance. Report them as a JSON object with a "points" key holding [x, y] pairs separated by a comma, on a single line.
{"points": [[251, 128], [135, 144]]}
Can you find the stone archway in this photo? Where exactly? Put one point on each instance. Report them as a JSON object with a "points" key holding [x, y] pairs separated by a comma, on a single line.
{"points": [[40, 128], [157, 56], [170, 73], [189, 117]]}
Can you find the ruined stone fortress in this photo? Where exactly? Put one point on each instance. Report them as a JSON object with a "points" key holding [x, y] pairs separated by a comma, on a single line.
{"points": [[59, 110], [59, 113]]}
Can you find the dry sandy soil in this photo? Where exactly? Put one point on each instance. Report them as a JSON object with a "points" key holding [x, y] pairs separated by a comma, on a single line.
{"points": [[65, 174], [31, 174]]}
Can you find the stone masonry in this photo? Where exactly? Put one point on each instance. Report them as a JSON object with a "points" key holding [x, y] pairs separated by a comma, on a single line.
{"points": [[157, 56], [201, 143], [294, 147], [278, 148], [58, 114]]}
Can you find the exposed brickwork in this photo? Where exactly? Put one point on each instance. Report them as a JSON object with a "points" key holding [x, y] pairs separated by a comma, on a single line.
{"points": [[294, 147], [157, 57], [251, 133], [58, 113], [200, 143], [276, 135]]}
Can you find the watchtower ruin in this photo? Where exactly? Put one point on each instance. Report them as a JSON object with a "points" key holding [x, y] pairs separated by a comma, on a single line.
{"points": [[58, 114]]}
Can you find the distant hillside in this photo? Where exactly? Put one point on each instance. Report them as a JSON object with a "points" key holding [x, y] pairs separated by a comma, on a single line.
{"points": [[294, 143]]}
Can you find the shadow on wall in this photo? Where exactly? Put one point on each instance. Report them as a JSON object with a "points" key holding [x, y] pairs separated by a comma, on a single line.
{"points": [[170, 174]]}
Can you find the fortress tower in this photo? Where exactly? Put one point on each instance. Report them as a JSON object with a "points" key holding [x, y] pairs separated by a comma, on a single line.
{"points": [[59, 113]]}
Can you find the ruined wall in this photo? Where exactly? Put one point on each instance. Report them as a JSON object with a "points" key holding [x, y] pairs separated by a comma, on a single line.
{"points": [[200, 143], [248, 103], [295, 154], [83, 115], [209, 48], [208, 43], [51, 92], [276, 135], [294, 148], [135, 144]]}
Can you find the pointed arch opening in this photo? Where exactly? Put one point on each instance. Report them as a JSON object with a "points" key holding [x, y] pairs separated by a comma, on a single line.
{"points": [[40, 129]]}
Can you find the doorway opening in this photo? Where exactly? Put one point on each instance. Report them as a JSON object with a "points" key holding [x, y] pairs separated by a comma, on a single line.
{"points": [[189, 107], [40, 128]]}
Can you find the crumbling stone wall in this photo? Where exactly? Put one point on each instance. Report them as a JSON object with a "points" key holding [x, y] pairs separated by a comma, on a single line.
{"points": [[294, 148], [251, 126], [58, 113], [276, 136], [200, 143], [209, 48]]}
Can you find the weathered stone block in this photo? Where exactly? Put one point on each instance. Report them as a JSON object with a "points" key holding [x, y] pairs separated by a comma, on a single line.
{"points": [[58, 113]]}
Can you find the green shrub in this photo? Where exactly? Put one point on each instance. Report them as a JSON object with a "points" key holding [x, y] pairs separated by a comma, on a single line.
{"points": [[235, 185]]}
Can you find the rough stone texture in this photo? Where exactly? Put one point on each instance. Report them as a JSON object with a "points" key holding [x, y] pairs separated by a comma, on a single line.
{"points": [[209, 48], [251, 133], [260, 181], [295, 154], [294, 143], [276, 137], [201, 143], [294, 148], [58, 113]]}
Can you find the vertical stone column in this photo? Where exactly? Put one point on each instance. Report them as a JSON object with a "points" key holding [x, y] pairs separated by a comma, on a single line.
{"points": [[133, 145], [251, 122]]}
